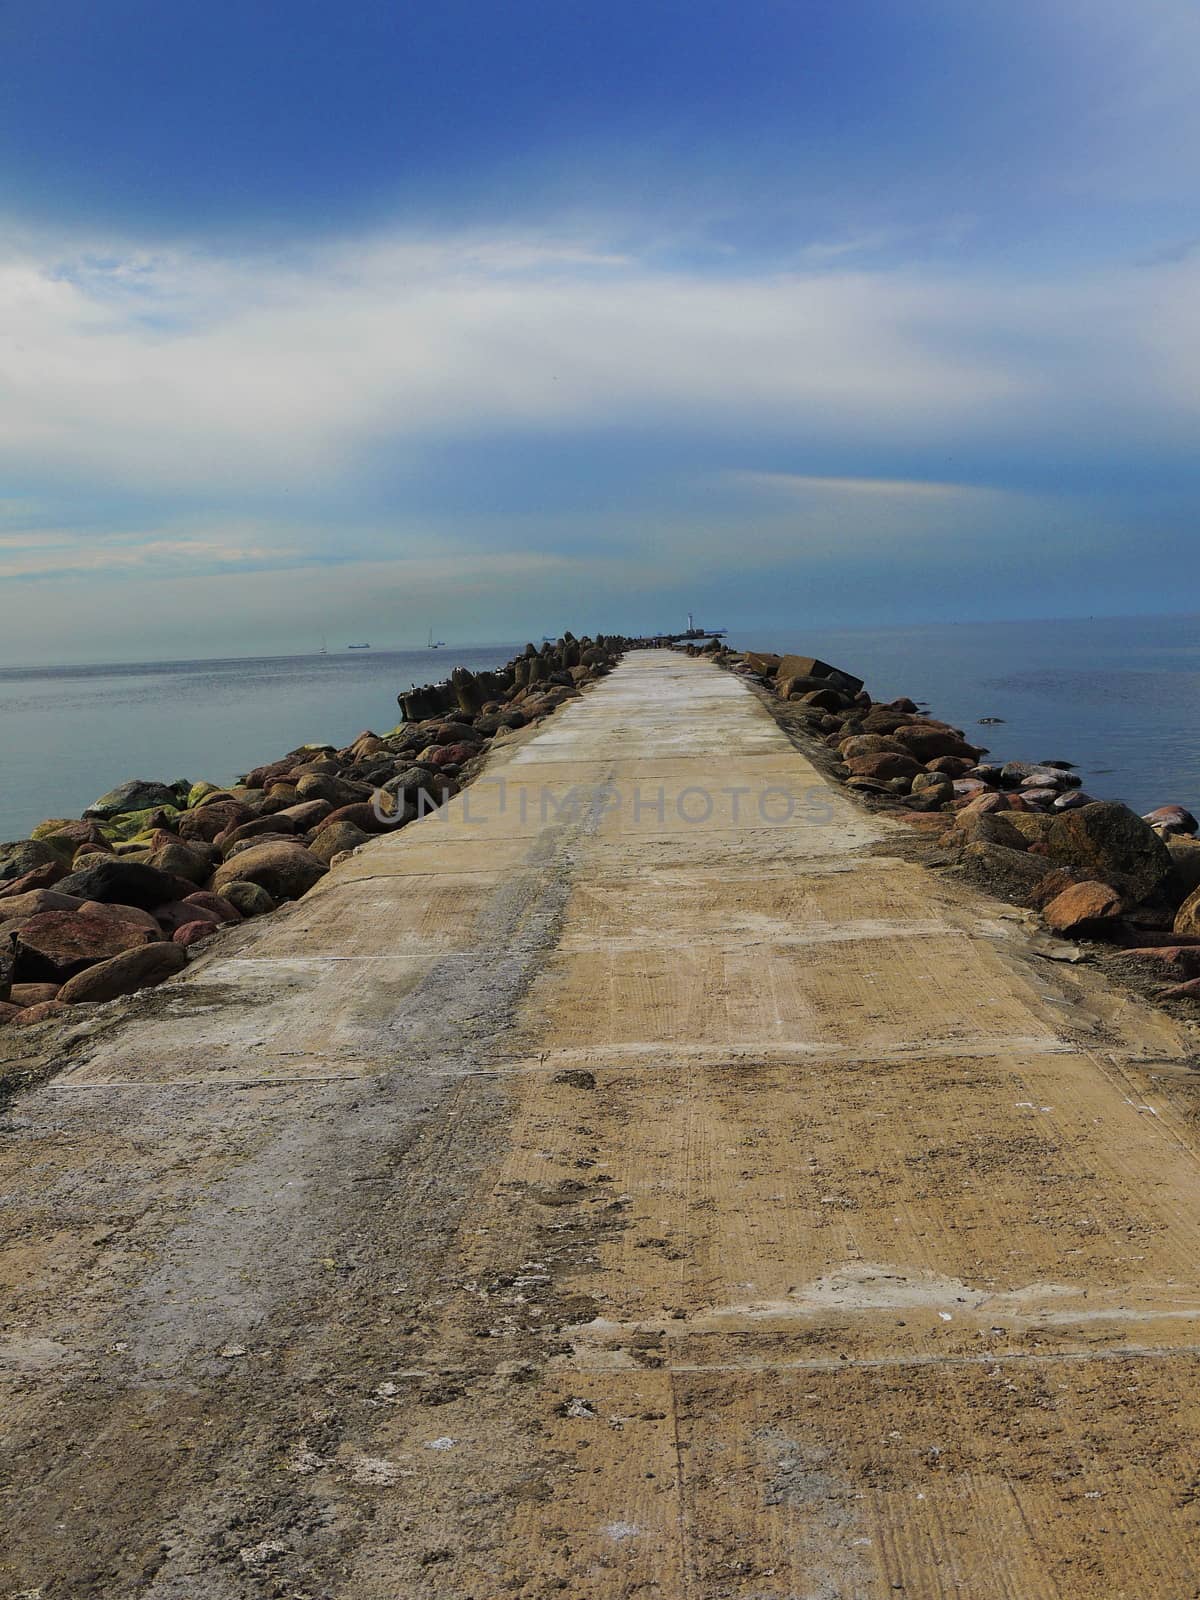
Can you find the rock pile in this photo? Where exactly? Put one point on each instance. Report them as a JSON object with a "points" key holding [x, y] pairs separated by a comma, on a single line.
{"points": [[1094, 868], [96, 907]]}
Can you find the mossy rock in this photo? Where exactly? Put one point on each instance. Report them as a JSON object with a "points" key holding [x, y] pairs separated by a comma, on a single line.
{"points": [[130, 823], [51, 826], [200, 791]]}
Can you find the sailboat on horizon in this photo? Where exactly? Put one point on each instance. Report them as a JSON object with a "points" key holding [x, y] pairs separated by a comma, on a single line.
{"points": [[435, 644]]}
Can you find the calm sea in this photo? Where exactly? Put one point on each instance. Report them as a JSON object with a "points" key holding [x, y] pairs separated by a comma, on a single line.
{"points": [[1120, 697], [69, 733]]}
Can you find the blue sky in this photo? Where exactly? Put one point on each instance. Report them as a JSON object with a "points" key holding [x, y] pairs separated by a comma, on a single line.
{"points": [[328, 319]]}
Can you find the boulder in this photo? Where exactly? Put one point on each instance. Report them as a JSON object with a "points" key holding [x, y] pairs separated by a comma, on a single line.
{"points": [[1185, 867], [812, 667], [934, 783], [825, 699], [1012, 874], [1083, 910], [795, 688], [8, 1013], [337, 791], [869, 785], [213, 817], [319, 766], [1073, 800], [1057, 879], [869, 744], [204, 900], [307, 814], [980, 804], [120, 913], [6, 970], [177, 914], [882, 720], [364, 814], [451, 755], [925, 802], [21, 856], [86, 851], [21, 896], [240, 846], [199, 791], [32, 994], [263, 777], [193, 933], [1110, 843], [181, 861], [250, 798], [1031, 825], [884, 765], [1187, 918], [39, 878], [409, 783], [136, 795], [249, 899], [988, 827], [927, 743], [280, 797], [1049, 778], [335, 837], [139, 825], [61, 831], [218, 797], [1013, 771], [1171, 820], [256, 828], [952, 766], [20, 906], [125, 973], [30, 1016], [496, 722], [368, 743], [55, 945], [124, 882], [285, 869]]}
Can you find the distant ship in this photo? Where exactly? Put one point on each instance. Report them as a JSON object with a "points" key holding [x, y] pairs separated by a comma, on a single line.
{"points": [[358, 647], [435, 644], [324, 650]]}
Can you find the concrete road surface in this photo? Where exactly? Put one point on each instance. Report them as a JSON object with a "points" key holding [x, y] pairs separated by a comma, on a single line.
{"points": [[634, 1182]]}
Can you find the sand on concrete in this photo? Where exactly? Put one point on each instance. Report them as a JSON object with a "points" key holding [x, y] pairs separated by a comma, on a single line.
{"points": [[631, 1182]]}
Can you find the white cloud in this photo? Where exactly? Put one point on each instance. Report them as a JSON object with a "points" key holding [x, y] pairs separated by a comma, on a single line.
{"points": [[251, 386], [194, 372], [173, 368], [805, 485], [169, 550]]}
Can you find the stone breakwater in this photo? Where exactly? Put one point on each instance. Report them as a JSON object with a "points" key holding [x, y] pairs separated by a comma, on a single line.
{"points": [[1093, 869], [97, 907]]}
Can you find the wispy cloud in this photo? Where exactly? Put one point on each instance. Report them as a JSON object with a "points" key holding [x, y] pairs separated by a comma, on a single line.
{"points": [[181, 370], [64, 554], [173, 368], [271, 413], [807, 484]]}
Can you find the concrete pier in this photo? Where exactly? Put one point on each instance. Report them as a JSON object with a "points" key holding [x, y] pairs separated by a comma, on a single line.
{"points": [[637, 1180]]}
